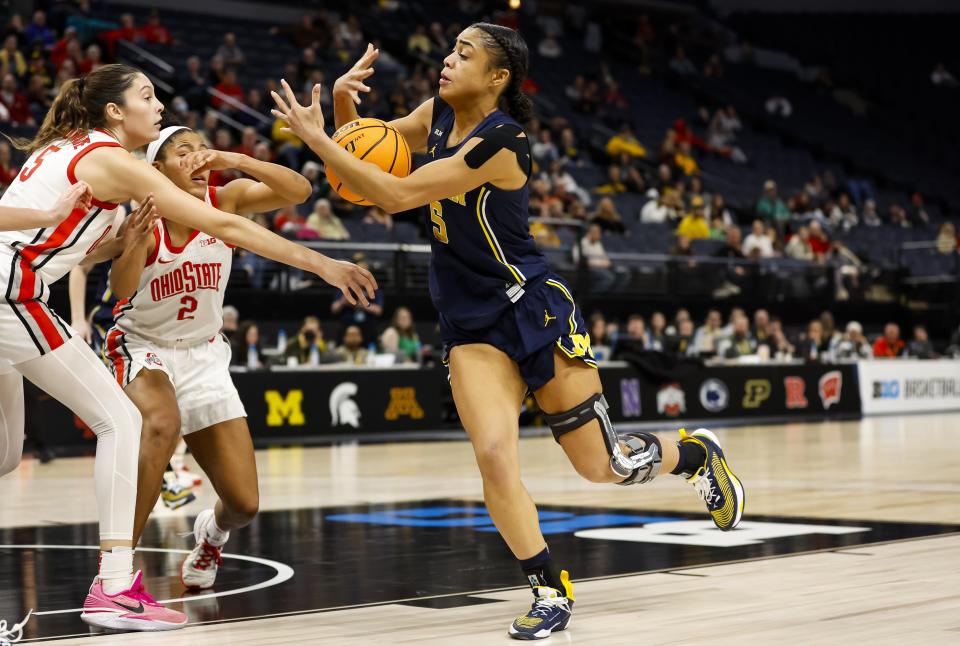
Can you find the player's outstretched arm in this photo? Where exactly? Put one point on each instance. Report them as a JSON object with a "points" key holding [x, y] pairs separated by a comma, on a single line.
{"points": [[14, 218], [117, 176], [434, 181], [273, 187]]}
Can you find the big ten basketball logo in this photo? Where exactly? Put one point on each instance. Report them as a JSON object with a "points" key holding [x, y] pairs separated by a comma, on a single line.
{"points": [[796, 388], [755, 392], [284, 409], [403, 403], [630, 397], [831, 388]]}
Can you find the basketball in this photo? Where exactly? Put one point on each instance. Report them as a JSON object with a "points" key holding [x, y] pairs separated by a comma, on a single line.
{"points": [[374, 141]]}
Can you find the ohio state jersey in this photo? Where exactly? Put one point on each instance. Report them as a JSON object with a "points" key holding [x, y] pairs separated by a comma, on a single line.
{"points": [[41, 256], [180, 295]]}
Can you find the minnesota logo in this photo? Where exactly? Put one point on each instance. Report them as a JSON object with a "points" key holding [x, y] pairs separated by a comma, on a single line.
{"points": [[403, 403]]}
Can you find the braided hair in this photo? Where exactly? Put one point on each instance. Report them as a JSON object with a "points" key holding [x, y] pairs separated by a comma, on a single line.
{"points": [[508, 50]]}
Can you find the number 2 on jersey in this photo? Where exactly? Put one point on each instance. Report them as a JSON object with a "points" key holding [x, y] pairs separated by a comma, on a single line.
{"points": [[439, 226], [189, 307]]}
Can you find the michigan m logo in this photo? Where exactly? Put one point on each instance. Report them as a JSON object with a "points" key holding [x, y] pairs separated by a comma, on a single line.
{"points": [[284, 410]]}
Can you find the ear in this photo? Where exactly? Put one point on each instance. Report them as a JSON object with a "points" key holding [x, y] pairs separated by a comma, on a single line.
{"points": [[113, 111], [156, 165], [500, 78]]}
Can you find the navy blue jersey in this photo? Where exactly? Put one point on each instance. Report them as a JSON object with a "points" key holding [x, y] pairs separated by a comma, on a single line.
{"points": [[483, 254]]}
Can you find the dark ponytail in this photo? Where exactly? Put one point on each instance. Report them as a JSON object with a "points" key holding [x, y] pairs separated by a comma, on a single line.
{"points": [[508, 50], [80, 105]]}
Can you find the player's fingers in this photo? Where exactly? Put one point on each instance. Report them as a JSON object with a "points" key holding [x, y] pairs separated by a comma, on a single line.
{"points": [[348, 295], [288, 93], [280, 102], [370, 281], [355, 96], [361, 297], [364, 74], [316, 96]]}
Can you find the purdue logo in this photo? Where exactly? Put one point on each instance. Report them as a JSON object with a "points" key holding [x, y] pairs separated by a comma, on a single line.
{"points": [[755, 392], [284, 410], [403, 402]]}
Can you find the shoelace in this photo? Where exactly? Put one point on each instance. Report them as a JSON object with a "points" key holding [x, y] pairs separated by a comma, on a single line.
{"points": [[140, 593], [543, 605], [705, 489], [208, 553]]}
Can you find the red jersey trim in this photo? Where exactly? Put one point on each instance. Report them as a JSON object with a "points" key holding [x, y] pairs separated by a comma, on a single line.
{"points": [[73, 165], [170, 245], [156, 246]]}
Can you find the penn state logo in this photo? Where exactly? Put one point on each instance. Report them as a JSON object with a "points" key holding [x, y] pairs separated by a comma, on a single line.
{"points": [[714, 395]]}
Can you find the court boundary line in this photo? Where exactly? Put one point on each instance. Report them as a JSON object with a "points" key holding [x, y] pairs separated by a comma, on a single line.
{"points": [[374, 604]]}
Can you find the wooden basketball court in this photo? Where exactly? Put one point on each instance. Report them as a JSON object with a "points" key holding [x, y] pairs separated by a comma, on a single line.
{"points": [[850, 533]]}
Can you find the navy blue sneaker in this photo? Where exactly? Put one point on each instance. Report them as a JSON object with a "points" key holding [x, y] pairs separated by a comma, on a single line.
{"points": [[550, 613], [715, 482]]}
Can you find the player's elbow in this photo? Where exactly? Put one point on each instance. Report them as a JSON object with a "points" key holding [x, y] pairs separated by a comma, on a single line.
{"points": [[303, 190], [120, 288], [227, 228]]}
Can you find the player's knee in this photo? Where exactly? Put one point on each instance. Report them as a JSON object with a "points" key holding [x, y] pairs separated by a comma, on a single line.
{"points": [[597, 471], [497, 461], [245, 508], [161, 427]]}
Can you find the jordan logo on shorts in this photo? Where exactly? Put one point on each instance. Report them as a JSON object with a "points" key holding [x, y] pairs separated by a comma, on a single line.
{"points": [[547, 318]]}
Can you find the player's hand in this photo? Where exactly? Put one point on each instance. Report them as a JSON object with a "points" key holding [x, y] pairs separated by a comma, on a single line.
{"points": [[303, 121], [138, 227], [82, 328], [357, 284], [78, 196], [352, 83], [202, 161]]}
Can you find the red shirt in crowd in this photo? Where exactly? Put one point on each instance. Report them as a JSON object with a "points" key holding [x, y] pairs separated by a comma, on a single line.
{"points": [[18, 105], [156, 34], [819, 246], [882, 348], [230, 90]]}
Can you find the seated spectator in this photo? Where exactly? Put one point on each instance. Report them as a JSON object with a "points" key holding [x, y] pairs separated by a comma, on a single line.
{"points": [[636, 334], [376, 215], [418, 43], [684, 159], [853, 345], [289, 146], [708, 335], [599, 339], [351, 349], [231, 319], [569, 149], [942, 77], [770, 208], [947, 242], [898, 216], [758, 244], [681, 344], [694, 225], [762, 329], [920, 346], [819, 240], [8, 170], [718, 230], [607, 216], [229, 51], [38, 30], [155, 32], [740, 343], [544, 150], [310, 32], [602, 276], [680, 64], [92, 61], [15, 102], [798, 247], [681, 247], [661, 207], [11, 59], [309, 341], [229, 87], [325, 223], [545, 235], [408, 341], [127, 31], [890, 345], [916, 212], [870, 216], [625, 141], [778, 106], [813, 347], [549, 47], [843, 215], [657, 336], [248, 141], [246, 349]]}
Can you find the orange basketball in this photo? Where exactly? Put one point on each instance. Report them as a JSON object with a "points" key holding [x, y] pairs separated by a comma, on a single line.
{"points": [[374, 141]]}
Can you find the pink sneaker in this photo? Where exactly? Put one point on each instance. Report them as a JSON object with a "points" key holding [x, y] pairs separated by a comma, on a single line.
{"points": [[131, 609]]}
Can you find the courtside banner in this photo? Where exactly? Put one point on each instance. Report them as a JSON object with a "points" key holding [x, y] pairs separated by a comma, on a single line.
{"points": [[909, 385]]}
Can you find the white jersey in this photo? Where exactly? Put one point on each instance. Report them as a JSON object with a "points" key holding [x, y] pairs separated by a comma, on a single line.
{"points": [[180, 295], [49, 253]]}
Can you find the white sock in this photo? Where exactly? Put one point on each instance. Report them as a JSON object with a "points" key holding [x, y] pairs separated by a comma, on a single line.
{"points": [[116, 569], [215, 535]]}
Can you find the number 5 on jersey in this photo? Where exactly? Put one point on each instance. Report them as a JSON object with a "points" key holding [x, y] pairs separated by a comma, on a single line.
{"points": [[439, 226]]}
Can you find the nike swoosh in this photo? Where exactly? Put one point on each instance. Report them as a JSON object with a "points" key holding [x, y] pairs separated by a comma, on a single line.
{"points": [[137, 609], [166, 262]]}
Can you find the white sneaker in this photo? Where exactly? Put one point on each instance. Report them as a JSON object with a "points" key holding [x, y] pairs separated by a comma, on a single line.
{"points": [[199, 569], [187, 478]]}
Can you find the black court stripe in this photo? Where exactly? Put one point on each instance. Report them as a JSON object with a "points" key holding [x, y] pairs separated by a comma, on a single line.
{"points": [[13, 304], [78, 233]]}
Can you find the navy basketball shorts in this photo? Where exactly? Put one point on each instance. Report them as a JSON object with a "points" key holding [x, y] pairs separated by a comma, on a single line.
{"points": [[544, 318]]}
